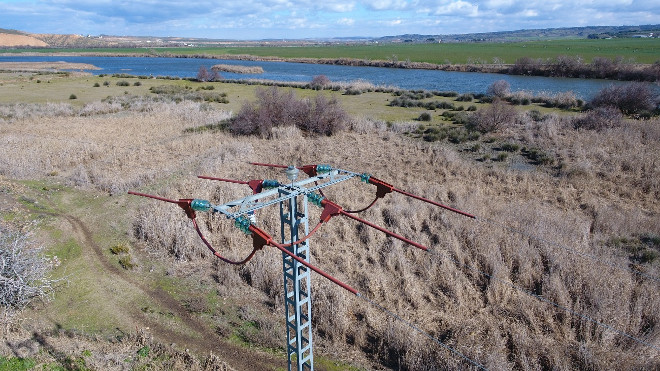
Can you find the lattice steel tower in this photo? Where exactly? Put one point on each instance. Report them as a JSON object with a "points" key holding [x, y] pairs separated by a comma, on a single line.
{"points": [[297, 280]]}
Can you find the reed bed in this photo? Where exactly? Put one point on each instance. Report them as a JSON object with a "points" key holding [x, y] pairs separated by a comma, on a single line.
{"points": [[605, 188], [238, 68]]}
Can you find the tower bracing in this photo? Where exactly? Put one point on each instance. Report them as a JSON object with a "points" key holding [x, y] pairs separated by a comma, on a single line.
{"points": [[297, 289], [293, 198]]}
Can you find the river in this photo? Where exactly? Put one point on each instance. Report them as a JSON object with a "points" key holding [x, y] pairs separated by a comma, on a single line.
{"points": [[461, 82]]}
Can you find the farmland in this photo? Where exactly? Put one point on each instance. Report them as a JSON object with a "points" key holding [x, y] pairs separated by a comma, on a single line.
{"points": [[142, 292], [643, 51]]}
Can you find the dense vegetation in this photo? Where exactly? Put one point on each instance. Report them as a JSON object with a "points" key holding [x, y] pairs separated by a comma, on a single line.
{"points": [[566, 199]]}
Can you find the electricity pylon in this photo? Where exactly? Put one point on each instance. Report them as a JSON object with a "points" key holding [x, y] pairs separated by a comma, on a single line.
{"points": [[293, 198]]}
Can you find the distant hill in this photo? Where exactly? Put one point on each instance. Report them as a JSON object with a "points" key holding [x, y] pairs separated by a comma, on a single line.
{"points": [[19, 39], [535, 34], [13, 38]]}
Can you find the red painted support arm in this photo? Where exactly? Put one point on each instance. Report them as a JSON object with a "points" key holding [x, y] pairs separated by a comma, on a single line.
{"points": [[268, 165], [436, 203], [265, 239], [222, 179], [387, 188], [307, 169], [331, 209], [254, 184], [389, 233], [183, 203]]}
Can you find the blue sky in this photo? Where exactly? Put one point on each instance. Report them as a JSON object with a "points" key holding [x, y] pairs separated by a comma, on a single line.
{"points": [[260, 19]]}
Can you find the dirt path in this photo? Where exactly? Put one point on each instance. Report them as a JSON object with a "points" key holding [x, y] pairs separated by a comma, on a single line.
{"points": [[206, 341]]}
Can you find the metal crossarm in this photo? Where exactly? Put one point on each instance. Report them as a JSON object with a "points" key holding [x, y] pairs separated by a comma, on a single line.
{"points": [[246, 205]]}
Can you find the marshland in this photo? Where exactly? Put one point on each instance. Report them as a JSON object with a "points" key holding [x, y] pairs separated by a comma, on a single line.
{"points": [[560, 268]]}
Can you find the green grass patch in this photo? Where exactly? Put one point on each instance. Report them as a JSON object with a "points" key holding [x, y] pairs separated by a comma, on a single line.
{"points": [[119, 249], [328, 364], [638, 50], [644, 248], [66, 250], [16, 364]]}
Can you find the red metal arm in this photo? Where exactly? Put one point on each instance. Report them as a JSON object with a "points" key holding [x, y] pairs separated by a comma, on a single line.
{"points": [[384, 188], [185, 205], [331, 209], [222, 179], [268, 165], [264, 238], [255, 184], [307, 169]]}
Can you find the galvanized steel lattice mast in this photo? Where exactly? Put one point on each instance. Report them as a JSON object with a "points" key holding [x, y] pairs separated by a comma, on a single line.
{"points": [[297, 279]]}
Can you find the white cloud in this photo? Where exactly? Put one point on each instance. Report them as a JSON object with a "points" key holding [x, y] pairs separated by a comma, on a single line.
{"points": [[346, 21], [336, 6], [275, 18], [457, 8], [387, 4]]}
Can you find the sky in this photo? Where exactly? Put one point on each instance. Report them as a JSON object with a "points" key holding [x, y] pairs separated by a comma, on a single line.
{"points": [[296, 19]]}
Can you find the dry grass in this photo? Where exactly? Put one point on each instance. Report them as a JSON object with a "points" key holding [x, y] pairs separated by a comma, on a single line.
{"points": [[605, 186], [238, 68]]}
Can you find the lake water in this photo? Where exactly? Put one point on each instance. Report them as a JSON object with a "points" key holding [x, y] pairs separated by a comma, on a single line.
{"points": [[462, 82]]}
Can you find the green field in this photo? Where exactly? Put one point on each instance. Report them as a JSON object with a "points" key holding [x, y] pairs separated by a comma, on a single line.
{"points": [[633, 50]]}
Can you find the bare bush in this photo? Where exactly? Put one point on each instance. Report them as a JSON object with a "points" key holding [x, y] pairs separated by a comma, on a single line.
{"points": [[204, 75], [499, 88], [565, 65], [564, 100], [598, 119], [326, 116], [11, 112], [493, 118], [600, 67], [276, 108], [320, 82], [24, 273], [520, 98], [630, 98]]}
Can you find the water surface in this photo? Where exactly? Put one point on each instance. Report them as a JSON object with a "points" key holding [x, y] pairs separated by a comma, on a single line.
{"points": [[461, 82]]}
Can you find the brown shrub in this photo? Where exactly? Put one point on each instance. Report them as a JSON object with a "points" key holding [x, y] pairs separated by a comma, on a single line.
{"points": [[320, 82], [499, 88], [598, 119], [326, 117], [630, 98], [275, 107], [497, 116]]}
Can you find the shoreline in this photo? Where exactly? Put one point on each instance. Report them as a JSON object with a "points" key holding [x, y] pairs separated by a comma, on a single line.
{"points": [[626, 72], [45, 66]]}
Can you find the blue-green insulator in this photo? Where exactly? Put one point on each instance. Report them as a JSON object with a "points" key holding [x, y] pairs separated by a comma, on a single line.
{"points": [[270, 183], [315, 199], [200, 205], [365, 177], [243, 224], [323, 168]]}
